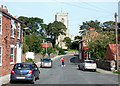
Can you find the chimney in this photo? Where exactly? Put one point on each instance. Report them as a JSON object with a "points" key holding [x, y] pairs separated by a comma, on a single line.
{"points": [[91, 28], [4, 8]]}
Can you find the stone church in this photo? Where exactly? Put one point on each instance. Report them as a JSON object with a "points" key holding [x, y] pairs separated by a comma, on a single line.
{"points": [[62, 17]]}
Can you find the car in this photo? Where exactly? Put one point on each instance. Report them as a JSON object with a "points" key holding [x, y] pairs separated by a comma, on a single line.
{"points": [[86, 64], [25, 71], [46, 62]]}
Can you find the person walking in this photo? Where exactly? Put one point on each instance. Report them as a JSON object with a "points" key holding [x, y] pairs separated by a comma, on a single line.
{"points": [[63, 61]]}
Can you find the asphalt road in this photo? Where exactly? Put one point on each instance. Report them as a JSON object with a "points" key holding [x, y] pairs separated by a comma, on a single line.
{"points": [[71, 75]]}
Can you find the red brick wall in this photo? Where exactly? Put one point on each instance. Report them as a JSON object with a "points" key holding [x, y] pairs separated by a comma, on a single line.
{"points": [[109, 54], [5, 42]]}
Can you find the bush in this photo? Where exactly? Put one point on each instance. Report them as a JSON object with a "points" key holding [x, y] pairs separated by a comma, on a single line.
{"points": [[29, 60], [61, 51]]}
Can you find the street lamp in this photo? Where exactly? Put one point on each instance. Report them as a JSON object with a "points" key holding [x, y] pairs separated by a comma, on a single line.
{"points": [[116, 33]]}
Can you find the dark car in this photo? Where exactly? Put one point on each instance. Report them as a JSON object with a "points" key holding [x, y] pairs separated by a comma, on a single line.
{"points": [[25, 72], [46, 62]]}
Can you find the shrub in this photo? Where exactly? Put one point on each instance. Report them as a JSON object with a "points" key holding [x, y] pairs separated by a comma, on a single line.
{"points": [[61, 51], [29, 60]]}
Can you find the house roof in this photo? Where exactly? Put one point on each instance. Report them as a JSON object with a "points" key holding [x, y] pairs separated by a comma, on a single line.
{"points": [[113, 48], [91, 33], [5, 12]]}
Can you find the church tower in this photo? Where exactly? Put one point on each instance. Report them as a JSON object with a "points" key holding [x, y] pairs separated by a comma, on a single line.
{"points": [[62, 17]]}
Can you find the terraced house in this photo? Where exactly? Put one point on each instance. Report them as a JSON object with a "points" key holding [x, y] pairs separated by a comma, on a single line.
{"points": [[10, 42]]}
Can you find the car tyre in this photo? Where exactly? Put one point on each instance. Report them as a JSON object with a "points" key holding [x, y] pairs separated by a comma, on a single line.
{"points": [[78, 67], [33, 80], [83, 69], [38, 77], [11, 81], [94, 70]]}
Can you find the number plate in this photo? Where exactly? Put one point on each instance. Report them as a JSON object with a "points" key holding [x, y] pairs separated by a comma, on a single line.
{"points": [[20, 77]]}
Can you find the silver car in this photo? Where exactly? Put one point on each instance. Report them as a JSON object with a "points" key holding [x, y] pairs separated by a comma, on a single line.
{"points": [[46, 62], [87, 64]]}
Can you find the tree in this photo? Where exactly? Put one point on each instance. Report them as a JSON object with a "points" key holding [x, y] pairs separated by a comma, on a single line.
{"points": [[54, 29], [86, 25], [98, 45], [106, 35], [34, 35], [75, 43], [33, 41], [67, 41]]}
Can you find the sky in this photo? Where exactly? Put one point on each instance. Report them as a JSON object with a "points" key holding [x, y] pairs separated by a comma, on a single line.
{"points": [[79, 11]]}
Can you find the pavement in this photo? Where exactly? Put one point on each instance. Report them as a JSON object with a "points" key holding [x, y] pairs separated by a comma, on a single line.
{"points": [[104, 71]]}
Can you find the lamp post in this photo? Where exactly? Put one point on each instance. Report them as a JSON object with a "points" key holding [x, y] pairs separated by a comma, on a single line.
{"points": [[116, 33]]}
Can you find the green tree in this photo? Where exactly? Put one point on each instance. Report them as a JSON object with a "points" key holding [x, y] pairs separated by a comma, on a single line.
{"points": [[86, 25], [67, 41], [98, 46], [34, 35], [106, 35], [33, 41], [75, 43], [54, 29]]}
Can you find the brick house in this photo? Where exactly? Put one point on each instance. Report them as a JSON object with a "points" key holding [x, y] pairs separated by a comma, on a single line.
{"points": [[111, 52], [10, 41], [83, 49]]}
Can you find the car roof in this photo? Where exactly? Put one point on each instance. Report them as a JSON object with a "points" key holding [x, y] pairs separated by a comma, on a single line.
{"points": [[87, 59], [47, 58], [29, 63]]}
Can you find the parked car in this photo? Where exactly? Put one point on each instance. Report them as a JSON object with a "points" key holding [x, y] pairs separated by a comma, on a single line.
{"points": [[25, 72], [46, 62], [87, 64]]}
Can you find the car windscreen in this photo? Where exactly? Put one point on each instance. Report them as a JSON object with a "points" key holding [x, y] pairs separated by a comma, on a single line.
{"points": [[22, 66]]}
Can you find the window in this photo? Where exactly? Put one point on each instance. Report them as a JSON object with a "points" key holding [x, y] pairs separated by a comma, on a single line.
{"points": [[12, 28], [0, 24], [11, 54], [62, 20], [18, 31], [0, 55]]}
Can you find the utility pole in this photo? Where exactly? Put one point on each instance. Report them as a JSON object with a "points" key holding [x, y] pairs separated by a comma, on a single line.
{"points": [[116, 33], [46, 49]]}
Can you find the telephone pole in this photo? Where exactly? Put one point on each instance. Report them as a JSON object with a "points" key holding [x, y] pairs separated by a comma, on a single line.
{"points": [[116, 33]]}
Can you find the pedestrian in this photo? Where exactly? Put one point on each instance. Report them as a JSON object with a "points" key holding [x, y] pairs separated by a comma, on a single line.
{"points": [[63, 61]]}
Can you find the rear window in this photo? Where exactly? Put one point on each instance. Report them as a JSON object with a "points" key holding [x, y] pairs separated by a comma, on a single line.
{"points": [[22, 66], [46, 60], [89, 61]]}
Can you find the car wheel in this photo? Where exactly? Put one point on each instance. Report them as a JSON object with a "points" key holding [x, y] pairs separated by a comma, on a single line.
{"points": [[51, 66], [11, 81], [33, 80], [38, 76], [79, 67], [83, 69], [94, 70]]}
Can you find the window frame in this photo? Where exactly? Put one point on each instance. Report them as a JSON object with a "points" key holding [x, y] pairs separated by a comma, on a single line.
{"points": [[13, 27], [13, 54], [0, 23], [18, 31]]}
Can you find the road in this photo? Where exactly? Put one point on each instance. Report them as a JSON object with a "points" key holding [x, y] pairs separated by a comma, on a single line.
{"points": [[71, 75]]}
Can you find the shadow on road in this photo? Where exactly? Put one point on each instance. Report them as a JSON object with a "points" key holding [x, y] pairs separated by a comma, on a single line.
{"points": [[75, 59]]}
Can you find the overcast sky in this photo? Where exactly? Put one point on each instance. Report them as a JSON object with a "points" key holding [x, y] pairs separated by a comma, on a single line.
{"points": [[78, 11]]}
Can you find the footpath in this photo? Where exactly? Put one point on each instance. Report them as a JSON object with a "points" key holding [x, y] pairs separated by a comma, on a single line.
{"points": [[5, 80]]}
